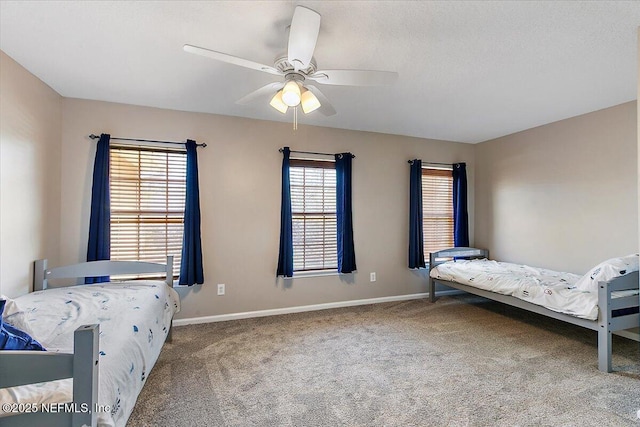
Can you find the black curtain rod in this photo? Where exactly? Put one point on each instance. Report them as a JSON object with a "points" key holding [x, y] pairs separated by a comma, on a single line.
{"points": [[432, 163], [312, 152], [93, 136]]}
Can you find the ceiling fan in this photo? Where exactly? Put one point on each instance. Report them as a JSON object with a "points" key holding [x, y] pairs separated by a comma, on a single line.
{"points": [[298, 66]]}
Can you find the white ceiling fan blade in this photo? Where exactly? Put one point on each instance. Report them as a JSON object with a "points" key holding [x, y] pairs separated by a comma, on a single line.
{"points": [[325, 107], [230, 59], [265, 91], [303, 35], [354, 77]]}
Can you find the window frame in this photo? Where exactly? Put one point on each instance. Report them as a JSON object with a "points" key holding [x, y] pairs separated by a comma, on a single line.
{"points": [[166, 151], [328, 269], [432, 171]]}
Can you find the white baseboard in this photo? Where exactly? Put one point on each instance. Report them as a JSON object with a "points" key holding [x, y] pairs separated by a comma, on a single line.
{"points": [[300, 309]]}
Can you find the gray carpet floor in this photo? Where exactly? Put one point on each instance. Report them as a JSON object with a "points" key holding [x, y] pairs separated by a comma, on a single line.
{"points": [[463, 361]]}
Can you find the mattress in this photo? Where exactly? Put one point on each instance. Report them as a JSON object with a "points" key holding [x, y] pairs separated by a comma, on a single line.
{"points": [[134, 320], [551, 289]]}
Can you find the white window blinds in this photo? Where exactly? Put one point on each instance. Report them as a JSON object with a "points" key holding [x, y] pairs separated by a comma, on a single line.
{"points": [[437, 209], [313, 208], [147, 190]]}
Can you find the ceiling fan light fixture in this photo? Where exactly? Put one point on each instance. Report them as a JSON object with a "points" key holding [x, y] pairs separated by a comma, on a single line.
{"points": [[291, 94], [309, 101], [278, 103]]}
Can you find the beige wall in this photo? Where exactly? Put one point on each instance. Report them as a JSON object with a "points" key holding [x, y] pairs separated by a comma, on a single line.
{"points": [[563, 195], [30, 120], [240, 201], [555, 196]]}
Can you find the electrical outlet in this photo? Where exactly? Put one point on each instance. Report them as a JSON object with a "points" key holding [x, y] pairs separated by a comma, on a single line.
{"points": [[220, 288], [372, 277]]}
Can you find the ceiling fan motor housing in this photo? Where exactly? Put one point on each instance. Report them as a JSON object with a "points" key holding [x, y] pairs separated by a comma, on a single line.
{"points": [[283, 65]]}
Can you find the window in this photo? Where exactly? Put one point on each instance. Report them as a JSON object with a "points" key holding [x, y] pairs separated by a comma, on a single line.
{"points": [[313, 209], [147, 189], [437, 209]]}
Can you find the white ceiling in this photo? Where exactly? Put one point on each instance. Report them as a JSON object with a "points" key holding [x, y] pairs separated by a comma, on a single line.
{"points": [[469, 71]]}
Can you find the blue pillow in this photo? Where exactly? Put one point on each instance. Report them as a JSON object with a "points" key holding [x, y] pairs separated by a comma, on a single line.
{"points": [[14, 339]]}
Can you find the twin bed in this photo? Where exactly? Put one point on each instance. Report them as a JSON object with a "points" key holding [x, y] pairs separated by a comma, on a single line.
{"points": [[102, 341], [606, 299]]}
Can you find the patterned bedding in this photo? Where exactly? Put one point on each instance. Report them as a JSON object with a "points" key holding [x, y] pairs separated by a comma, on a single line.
{"points": [[134, 320], [551, 289]]}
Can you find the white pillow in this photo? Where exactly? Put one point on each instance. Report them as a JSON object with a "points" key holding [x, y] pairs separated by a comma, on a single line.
{"points": [[607, 270]]}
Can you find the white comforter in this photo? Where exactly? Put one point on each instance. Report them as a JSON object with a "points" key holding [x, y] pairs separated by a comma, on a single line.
{"points": [[551, 289], [134, 320]]}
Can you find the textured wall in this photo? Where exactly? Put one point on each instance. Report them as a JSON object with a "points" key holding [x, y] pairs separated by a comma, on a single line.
{"points": [[30, 120], [563, 195]]}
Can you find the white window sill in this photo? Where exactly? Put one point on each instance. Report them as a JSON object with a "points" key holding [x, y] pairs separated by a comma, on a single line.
{"points": [[305, 274]]}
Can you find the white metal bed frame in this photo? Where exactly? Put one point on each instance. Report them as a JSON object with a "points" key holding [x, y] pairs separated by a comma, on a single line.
{"points": [[29, 367], [606, 325]]}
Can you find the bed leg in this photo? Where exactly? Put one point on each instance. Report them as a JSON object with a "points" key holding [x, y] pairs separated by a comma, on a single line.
{"points": [[604, 349], [432, 290], [432, 284], [604, 333], [170, 333]]}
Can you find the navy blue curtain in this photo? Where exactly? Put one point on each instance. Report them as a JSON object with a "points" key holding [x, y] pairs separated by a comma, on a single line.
{"points": [[191, 263], [460, 215], [416, 243], [285, 255], [99, 246], [346, 252]]}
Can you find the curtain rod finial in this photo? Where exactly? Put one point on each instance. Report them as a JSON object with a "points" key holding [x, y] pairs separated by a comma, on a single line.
{"points": [[94, 136]]}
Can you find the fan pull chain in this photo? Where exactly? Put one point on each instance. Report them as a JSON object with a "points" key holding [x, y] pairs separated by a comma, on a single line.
{"points": [[295, 118]]}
